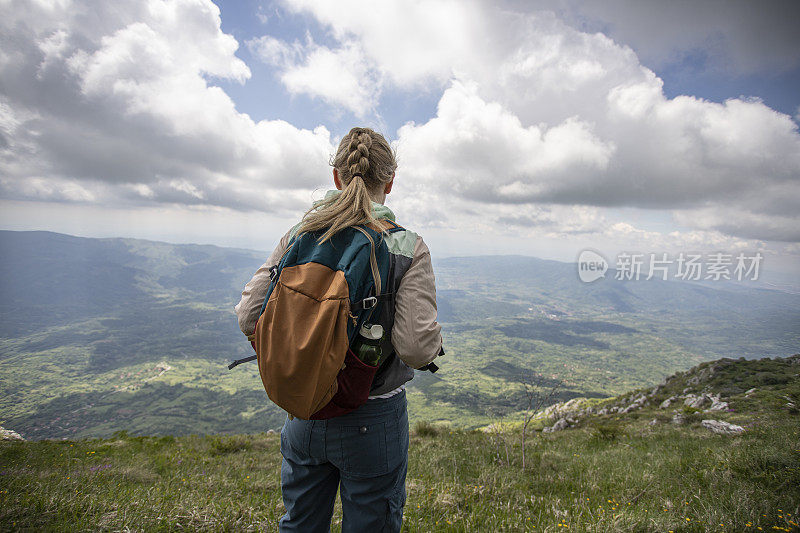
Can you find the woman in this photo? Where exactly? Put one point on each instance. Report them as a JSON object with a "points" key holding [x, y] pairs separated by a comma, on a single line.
{"points": [[365, 452]]}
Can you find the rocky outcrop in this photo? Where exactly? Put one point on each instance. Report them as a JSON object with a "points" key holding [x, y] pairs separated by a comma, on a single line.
{"points": [[723, 428], [563, 423], [717, 405], [561, 410], [7, 434], [637, 403], [697, 390], [697, 402], [709, 401]]}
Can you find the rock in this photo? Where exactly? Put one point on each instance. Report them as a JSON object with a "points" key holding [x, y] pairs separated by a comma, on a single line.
{"points": [[653, 422], [666, 403], [751, 391], [789, 403], [679, 418], [697, 401], [602, 411], [7, 434], [270, 432], [718, 405], [561, 410], [558, 426], [638, 403], [723, 428]]}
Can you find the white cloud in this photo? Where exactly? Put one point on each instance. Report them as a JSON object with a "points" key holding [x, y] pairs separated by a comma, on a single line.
{"points": [[340, 77], [541, 112], [481, 151], [110, 103], [538, 124], [275, 52], [410, 42], [262, 17]]}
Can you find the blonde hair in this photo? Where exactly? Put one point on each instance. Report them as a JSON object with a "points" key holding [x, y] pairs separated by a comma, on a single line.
{"points": [[364, 162]]}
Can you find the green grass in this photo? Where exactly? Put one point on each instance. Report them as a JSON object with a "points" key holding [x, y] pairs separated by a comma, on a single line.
{"points": [[628, 476]]}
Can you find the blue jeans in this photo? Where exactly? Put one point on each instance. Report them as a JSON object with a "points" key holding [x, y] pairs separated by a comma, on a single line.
{"points": [[363, 453]]}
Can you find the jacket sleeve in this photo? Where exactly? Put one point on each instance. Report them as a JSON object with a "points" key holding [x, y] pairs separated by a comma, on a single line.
{"points": [[416, 336], [255, 291]]}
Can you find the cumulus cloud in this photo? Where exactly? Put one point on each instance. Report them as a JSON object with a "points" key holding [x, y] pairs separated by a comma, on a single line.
{"points": [[116, 102], [480, 151], [410, 42], [276, 52], [544, 113], [340, 77], [343, 77], [538, 124]]}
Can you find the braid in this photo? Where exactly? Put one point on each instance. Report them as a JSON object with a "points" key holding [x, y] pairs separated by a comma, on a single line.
{"points": [[362, 154], [358, 158]]}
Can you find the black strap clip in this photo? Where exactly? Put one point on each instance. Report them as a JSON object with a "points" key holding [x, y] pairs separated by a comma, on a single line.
{"points": [[430, 367], [240, 361]]}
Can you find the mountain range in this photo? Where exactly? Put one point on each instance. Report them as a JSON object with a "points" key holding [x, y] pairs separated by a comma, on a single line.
{"points": [[102, 335]]}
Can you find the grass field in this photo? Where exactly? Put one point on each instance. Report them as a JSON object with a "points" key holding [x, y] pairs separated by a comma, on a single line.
{"points": [[611, 473]]}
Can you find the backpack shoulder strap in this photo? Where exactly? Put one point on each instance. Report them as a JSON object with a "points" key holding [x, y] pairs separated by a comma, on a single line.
{"points": [[373, 261], [395, 226], [385, 225]]}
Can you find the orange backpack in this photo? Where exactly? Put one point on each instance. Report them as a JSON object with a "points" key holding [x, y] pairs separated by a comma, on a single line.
{"points": [[319, 297]]}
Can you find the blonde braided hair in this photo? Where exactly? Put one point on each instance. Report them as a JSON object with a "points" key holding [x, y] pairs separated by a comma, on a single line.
{"points": [[364, 162]]}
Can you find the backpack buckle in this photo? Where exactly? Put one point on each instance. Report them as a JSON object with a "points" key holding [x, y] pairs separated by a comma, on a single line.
{"points": [[273, 272], [369, 303]]}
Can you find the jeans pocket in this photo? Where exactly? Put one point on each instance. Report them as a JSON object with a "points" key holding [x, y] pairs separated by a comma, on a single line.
{"points": [[364, 450]]}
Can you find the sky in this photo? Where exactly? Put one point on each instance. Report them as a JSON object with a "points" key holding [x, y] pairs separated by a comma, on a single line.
{"points": [[539, 128]]}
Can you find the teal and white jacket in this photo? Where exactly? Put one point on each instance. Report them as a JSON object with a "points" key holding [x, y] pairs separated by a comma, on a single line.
{"points": [[415, 336]]}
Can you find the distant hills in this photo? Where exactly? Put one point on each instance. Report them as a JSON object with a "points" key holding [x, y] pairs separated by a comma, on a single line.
{"points": [[88, 327]]}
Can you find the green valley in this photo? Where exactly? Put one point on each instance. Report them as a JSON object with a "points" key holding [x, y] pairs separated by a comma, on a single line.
{"points": [[103, 335]]}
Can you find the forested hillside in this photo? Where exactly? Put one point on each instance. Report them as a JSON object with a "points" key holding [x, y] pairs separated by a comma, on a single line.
{"points": [[101, 335]]}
